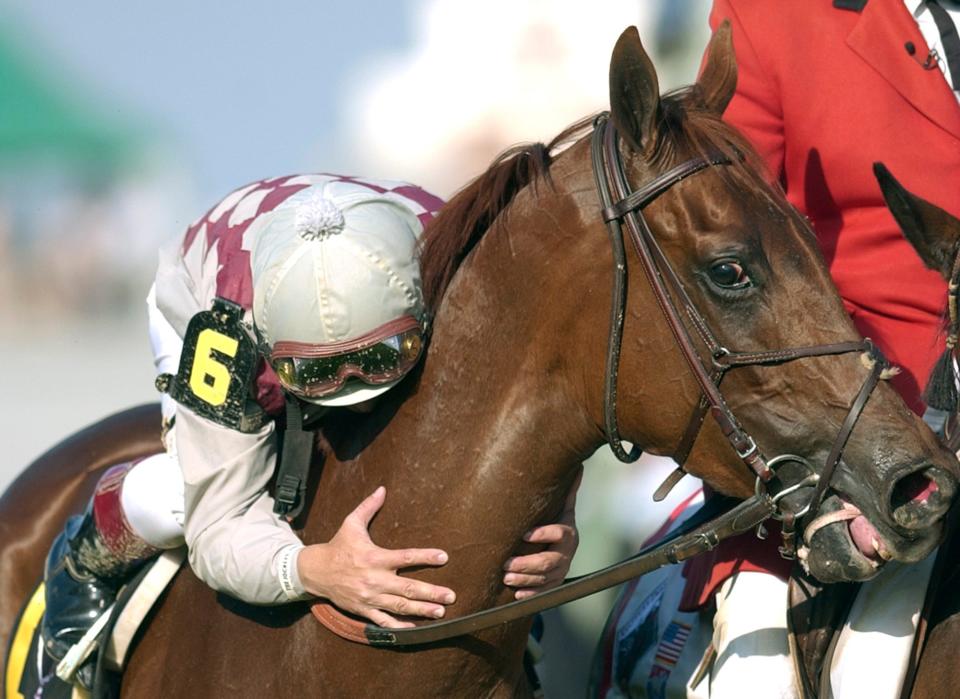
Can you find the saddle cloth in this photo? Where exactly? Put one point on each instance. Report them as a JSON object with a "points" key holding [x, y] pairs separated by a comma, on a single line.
{"points": [[650, 649], [30, 673]]}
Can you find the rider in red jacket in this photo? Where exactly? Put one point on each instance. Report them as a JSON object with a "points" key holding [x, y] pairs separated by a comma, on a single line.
{"points": [[824, 90], [821, 111]]}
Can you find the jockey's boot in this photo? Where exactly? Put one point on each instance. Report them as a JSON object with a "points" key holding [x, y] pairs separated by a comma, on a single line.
{"points": [[88, 563]]}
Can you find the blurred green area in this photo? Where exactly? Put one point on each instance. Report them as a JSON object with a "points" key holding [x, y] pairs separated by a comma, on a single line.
{"points": [[47, 117]]}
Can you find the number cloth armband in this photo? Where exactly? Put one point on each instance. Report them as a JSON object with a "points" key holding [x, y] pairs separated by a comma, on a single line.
{"points": [[217, 368]]}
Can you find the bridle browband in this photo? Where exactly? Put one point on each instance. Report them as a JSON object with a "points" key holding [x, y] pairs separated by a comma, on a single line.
{"points": [[620, 204]]}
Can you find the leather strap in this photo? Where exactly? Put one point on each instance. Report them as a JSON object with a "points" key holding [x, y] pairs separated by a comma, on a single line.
{"points": [[856, 408], [618, 307], [290, 490], [693, 539], [621, 205]]}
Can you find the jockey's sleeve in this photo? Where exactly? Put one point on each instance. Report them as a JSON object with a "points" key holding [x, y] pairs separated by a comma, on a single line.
{"points": [[186, 283], [236, 543]]}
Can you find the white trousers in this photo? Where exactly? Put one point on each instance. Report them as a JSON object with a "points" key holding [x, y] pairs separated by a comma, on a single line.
{"points": [[152, 499], [870, 660], [152, 491], [750, 637]]}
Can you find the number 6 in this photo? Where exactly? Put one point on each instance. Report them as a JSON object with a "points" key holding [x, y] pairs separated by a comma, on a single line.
{"points": [[209, 378]]}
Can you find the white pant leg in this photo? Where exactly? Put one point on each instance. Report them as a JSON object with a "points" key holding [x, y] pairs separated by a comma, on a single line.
{"points": [[750, 636], [152, 500], [874, 647], [167, 346]]}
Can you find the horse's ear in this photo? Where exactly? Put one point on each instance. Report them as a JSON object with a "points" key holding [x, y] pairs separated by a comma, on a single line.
{"points": [[634, 91], [718, 79], [932, 231]]}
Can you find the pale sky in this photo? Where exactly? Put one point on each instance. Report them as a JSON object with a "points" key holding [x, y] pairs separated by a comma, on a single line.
{"points": [[206, 73], [243, 91]]}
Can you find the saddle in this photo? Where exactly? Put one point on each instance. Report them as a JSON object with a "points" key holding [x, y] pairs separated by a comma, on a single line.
{"points": [[815, 618], [30, 672]]}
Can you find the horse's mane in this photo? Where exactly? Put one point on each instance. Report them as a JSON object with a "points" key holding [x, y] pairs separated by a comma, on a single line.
{"points": [[463, 220], [686, 127]]}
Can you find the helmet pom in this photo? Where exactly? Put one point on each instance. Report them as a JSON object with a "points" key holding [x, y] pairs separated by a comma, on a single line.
{"points": [[318, 218]]}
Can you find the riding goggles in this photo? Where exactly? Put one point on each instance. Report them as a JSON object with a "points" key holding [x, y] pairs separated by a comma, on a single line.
{"points": [[379, 357]]}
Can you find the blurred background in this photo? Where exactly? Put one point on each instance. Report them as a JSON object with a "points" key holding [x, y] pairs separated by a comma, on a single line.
{"points": [[120, 123]]}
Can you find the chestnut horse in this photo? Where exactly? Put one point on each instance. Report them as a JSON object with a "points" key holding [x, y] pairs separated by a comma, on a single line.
{"points": [[484, 440]]}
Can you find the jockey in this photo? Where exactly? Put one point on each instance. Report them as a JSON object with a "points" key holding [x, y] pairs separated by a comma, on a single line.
{"points": [[302, 293]]}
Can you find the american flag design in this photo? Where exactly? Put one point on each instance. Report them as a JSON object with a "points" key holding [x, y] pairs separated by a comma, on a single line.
{"points": [[671, 644], [668, 653], [657, 682]]}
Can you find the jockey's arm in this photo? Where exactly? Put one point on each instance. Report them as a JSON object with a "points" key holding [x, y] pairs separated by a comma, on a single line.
{"points": [[237, 545]]}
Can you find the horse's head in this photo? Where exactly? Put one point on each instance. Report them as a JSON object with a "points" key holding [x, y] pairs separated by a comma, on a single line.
{"points": [[751, 268], [519, 269]]}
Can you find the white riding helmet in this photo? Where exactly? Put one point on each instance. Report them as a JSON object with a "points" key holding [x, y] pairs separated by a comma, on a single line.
{"points": [[337, 302]]}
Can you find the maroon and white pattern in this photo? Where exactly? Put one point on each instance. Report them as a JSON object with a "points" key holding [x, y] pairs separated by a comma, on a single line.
{"points": [[221, 230], [125, 546]]}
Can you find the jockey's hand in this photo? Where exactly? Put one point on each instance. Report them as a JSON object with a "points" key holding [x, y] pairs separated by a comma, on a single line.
{"points": [[541, 571], [360, 577]]}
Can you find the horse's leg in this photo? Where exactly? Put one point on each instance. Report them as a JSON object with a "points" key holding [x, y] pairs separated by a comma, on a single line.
{"points": [[35, 506]]}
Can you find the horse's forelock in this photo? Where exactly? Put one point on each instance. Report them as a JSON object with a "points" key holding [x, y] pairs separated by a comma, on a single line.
{"points": [[687, 128]]}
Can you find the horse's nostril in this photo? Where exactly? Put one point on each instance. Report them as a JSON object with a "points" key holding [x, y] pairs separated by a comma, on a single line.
{"points": [[916, 487], [917, 498]]}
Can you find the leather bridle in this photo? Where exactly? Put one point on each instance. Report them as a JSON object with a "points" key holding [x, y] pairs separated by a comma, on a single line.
{"points": [[619, 205]]}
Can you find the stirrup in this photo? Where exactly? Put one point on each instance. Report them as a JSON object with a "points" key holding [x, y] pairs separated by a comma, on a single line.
{"points": [[82, 649]]}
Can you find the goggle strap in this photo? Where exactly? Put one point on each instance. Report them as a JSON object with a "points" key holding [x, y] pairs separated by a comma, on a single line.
{"points": [[305, 350]]}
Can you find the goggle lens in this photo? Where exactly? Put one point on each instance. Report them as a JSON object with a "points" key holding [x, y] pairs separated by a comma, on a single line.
{"points": [[380, 363]]}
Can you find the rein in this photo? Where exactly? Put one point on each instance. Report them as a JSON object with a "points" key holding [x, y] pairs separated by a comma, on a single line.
{"points": [[621, 204], [696, 536]]}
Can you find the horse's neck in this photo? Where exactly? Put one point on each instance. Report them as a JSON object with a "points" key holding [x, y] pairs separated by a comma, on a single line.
{"points": [[485, 446]]}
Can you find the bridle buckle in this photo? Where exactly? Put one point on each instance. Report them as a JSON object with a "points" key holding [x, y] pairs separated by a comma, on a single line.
{"points": [[749, 449]]}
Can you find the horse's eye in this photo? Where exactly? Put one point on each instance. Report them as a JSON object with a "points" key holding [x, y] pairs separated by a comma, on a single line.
{"points": [[729, 274]]}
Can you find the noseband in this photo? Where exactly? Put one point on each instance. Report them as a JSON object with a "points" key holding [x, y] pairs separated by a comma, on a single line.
{"points": [[621, 205]]}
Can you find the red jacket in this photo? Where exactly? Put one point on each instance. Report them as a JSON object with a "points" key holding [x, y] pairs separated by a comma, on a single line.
{"points": [[823, 93]]}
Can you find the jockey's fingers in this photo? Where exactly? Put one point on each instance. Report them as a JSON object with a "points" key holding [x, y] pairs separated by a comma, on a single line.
{"points": [[524, 580], [535, 564], [418, 590], [365, 511], [381, 618], [399, 559], [526, 592], [551, 534], [549, 582], [395, 604]]}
